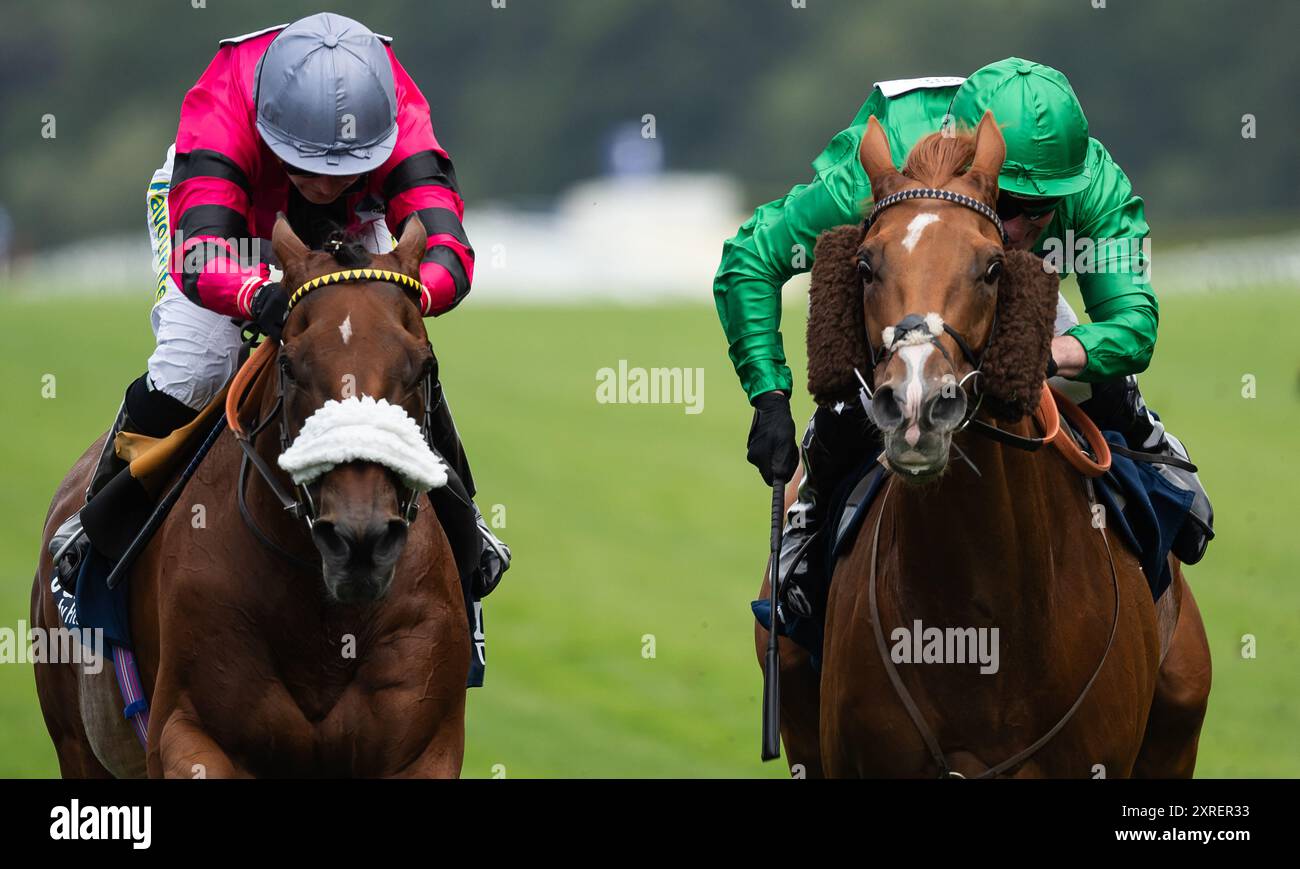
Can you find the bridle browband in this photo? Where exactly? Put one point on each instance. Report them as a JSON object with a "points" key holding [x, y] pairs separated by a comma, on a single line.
{"points": [[937, 193], [406, 282], [914, 324], [303, 506]]}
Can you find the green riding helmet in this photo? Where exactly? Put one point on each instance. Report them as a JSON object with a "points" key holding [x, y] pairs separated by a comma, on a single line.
{"points": [[1041, 120]]}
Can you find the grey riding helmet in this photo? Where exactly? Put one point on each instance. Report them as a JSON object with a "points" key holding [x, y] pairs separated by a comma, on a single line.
{"points": [[326, 98]]}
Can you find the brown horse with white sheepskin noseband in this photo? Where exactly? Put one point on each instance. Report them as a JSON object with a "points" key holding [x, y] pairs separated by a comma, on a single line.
{"points": [[330, 639], [924, 316]]}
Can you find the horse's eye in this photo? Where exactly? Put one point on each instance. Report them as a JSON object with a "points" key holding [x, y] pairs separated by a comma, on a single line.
{"points": [[993, 272], [864, 270], [422, 370], [286, 369]]}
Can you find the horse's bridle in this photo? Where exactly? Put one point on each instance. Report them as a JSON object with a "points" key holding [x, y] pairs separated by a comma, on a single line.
{"points": [[916, 324], [902, 330], [303, 504]]}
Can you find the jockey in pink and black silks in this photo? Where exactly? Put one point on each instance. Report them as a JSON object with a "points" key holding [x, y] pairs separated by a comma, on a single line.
{"points": [[247, 148], [319, 121]]}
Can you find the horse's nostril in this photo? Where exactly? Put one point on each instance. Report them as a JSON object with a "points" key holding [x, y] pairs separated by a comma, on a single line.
{"points": [[328, 540], [377, 543], [947, 407], [388, 543], [886, 413]]}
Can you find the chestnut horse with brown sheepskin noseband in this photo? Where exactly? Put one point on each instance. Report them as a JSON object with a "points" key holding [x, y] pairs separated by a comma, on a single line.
{"points": [[278, 647], [982, 624]]}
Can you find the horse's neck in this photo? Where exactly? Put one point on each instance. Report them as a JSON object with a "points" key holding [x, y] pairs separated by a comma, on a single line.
{"points": [[982, 542]]}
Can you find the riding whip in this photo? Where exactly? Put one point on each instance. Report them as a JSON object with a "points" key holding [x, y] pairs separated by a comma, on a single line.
{"points": [[772, 659]]}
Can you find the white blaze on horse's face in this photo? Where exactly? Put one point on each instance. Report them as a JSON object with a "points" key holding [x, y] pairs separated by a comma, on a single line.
{"points": [[917, 405], [916, 227], [914, 357]]}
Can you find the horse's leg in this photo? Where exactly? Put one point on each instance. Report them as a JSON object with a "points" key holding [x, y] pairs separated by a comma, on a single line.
{"points": [[58, 690], [57, 686], [1182, 693], [445, 754], [184, 750]]}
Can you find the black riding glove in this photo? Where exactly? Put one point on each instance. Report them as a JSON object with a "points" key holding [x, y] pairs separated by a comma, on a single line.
{"points": [[269, 305], [772, 446]]}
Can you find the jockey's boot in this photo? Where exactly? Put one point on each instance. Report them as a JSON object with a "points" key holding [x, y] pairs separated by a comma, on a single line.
{"points": [[1117, 405], [494, 557], [144, 410], [834, 444]]}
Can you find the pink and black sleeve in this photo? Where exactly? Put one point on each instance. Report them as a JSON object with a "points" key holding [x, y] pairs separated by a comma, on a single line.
{"points": [[214, 257], [418, 181]]}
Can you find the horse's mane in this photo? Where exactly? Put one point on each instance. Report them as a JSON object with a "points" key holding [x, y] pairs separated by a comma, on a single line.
{"points": [[347, 248], [939, 157]]}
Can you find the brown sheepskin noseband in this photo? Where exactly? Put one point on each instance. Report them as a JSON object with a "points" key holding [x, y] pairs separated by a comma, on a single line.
{"points": [[1012, 366]]}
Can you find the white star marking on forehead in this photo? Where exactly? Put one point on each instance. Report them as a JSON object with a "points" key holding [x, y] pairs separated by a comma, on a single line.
{"points": [[916, 227], [345, 329]]}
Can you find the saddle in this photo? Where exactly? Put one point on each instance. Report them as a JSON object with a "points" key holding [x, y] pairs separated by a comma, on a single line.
{"points": [[116, 515]]}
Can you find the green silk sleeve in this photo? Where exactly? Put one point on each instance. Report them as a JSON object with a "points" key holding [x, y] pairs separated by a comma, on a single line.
{"points": [[775, 244], [1110, 254]]}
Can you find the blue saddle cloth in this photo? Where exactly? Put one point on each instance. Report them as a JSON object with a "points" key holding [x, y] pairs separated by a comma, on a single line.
{"points": [[95, 606], [1142, 508], [1146, 510]]}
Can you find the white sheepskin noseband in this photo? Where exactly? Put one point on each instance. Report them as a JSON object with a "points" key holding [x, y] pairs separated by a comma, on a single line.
{"points": [[363, 430]]}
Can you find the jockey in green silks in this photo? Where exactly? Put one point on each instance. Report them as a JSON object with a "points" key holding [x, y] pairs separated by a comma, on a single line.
{"points": [[1057, 186]]}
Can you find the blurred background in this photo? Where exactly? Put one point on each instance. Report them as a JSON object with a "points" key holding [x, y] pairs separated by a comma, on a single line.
{"points": [[605, 150]]}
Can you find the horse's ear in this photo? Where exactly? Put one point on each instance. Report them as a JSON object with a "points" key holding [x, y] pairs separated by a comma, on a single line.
{"points": [[410, 247], [1015, 363], [288, 247], [874, 156], [990, 153], [837, 340]]}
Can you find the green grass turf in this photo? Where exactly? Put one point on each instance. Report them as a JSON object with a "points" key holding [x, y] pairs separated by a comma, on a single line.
{"points": [[635, 520]]}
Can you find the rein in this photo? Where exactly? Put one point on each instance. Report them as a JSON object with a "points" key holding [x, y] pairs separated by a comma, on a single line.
{"points": [[914, 712], [303, 505]]}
